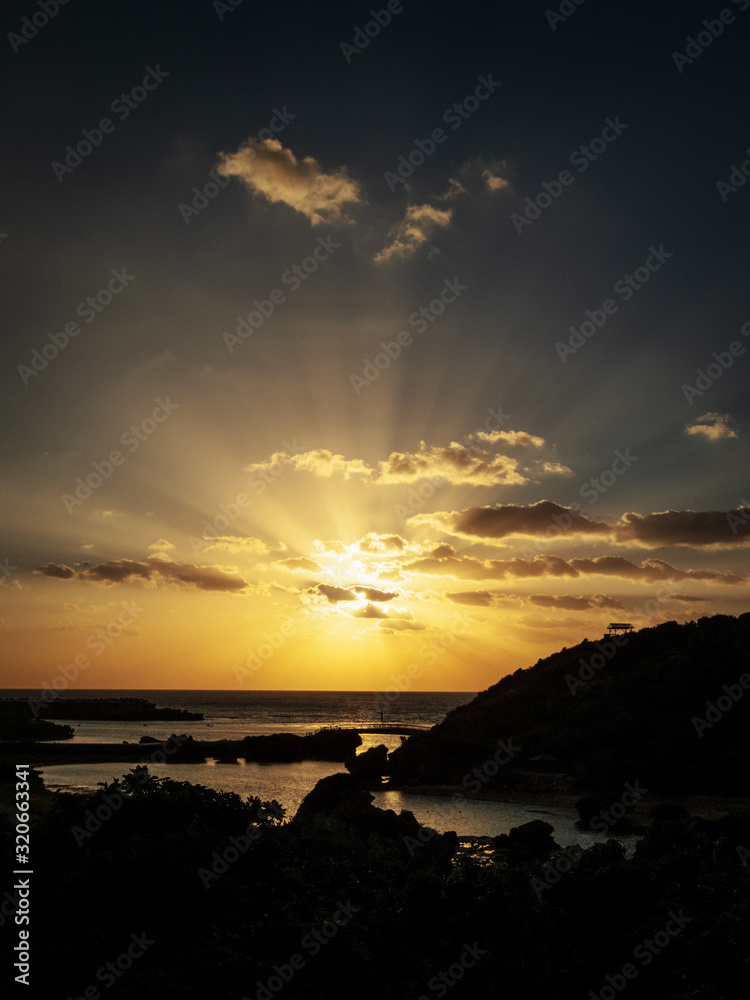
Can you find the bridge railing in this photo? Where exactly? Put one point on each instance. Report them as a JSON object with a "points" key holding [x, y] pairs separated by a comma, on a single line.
{"points": [[378, 726]]}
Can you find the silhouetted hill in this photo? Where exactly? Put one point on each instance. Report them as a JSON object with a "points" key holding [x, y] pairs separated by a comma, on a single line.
{"points": [[639, 716]]}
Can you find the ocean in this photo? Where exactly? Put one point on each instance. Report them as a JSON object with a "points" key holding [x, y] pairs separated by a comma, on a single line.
{"points": [[235, 714]]}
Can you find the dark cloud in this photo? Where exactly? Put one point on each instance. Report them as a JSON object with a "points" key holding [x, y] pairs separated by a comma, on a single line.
{"points": [[569, 603], [373, 594], [371, 611], [543, 517], [649, 571], [154, 569], [693, 528], [56, 570], [477, 598], [333, 594]]}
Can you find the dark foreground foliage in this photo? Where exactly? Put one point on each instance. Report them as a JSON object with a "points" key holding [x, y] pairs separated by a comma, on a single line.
{"points": [[367, 913]]}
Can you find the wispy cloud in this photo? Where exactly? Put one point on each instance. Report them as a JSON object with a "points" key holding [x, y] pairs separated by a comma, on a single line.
{"points": [[419, 223]]}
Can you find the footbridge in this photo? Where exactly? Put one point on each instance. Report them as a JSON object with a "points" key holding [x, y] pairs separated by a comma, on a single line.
{"points": [[387, 729]]}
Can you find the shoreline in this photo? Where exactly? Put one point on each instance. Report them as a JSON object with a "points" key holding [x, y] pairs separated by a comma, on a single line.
{"points": [[701, 805]]}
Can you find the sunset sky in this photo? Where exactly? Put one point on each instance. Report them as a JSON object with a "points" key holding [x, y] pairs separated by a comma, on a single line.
{"points": [[277, 416]]}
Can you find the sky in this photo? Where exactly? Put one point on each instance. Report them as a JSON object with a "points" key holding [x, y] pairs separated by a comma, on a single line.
{"points": [[367, 348]]}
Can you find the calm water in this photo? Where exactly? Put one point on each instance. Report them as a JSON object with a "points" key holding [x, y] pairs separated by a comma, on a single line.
{"points": [[235, 714]]}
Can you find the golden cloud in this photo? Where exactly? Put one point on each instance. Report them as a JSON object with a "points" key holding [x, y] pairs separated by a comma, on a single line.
{"points": [[713, 426], [419, 223], [269, 169]]}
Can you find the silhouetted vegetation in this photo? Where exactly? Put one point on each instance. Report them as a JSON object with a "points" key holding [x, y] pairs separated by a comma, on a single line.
{"points": [[633, 718], [150, 867]]}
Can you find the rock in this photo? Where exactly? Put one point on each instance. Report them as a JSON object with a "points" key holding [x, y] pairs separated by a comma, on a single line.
{"points": [[370, 766]]}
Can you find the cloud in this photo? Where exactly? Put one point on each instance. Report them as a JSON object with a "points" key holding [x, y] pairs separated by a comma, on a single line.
{"points": [[455, 189], [456, 464], [240, 543], [56, 570], [319, 462], [332, 594], [512, 520], [562, 602], [300, 564], [153, 570], [649, 571], [369, 611], [401, 625], [469, 463], [566, 602], [495, 182], [477, 598], [273, 171], [513, 439], [713, 426], [161, 545], [373, 594], [375, 544], [331, 547], [693, 528], [690, 528], [419, 223]]}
